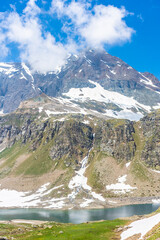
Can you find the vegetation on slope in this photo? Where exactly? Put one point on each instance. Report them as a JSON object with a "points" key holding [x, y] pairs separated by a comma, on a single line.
{"points": [[61, 142], [87, 231]]}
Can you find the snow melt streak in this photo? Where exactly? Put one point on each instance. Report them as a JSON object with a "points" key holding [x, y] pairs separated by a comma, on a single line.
{"points": [[79, 181]]}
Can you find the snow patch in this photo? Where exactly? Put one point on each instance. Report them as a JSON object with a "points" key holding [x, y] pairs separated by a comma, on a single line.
{"points": [[105, 63], [158, 106], [113, 72], [156, 201], [40, 109], [107, 75], [98, 196], [124, 114], [157, 171], [86, 202], [113, 202], [7, 68], [10, 76], [89, 61], [29, 73], [2, 149], [98, 93], [1, 112], [58, 70], [86, 122], [48, 112], [23, 77], [120, 187], [141, 227], [146, 80], [60, 120], [13, 198], [5, 65], [128, 164]]}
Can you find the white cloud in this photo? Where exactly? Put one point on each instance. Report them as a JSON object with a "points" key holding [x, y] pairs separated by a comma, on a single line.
{"points": [[3, 47], [96, 26], [42, 52], [58, 7], [106, 26], [92, 26], [32, 9], [39, 49], [78, 13]]}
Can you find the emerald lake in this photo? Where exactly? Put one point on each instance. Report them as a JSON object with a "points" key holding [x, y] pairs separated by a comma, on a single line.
{"points": [[77, 216]]}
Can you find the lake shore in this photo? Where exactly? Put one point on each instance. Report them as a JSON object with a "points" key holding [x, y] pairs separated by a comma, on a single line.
{"points": [[17, 221], [110, 203]]}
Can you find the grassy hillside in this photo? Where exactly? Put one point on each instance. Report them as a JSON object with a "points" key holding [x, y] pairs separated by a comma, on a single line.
{"points": [[86, 231]]}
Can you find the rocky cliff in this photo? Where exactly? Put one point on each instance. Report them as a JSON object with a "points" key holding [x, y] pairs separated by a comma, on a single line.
{"points": [[151, 131], [71, 137]]}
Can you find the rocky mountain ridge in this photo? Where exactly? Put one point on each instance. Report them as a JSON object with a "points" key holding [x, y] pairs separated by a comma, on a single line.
{"points": [[91, 81]]}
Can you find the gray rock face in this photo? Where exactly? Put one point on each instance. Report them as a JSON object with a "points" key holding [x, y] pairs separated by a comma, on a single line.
{"points": [[68, 141], [72, 141], [16, 85], [151, 130], [115, 138]]}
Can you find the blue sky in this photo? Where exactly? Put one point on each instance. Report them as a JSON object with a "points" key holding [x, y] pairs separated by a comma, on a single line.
{"points": [[37, 31]]}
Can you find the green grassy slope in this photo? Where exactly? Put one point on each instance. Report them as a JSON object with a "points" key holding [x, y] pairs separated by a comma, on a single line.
{"points": [[86, 231]]}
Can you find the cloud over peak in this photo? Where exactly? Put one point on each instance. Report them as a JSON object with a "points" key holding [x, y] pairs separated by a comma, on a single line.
{"points": [[82, 25]]}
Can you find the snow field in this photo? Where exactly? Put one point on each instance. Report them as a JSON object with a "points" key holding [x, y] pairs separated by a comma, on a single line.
{"points": [[141, 227], [13, 198], [98, 93]]}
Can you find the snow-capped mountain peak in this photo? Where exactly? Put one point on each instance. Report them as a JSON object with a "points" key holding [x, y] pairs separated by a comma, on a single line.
{"points": [[93, 80]]}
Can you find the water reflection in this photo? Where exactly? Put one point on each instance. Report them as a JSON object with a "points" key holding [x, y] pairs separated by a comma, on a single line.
{"points": [[77, 216]]}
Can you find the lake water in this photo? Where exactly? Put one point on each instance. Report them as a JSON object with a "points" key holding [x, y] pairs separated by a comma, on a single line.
{"points": [[77, 216]]}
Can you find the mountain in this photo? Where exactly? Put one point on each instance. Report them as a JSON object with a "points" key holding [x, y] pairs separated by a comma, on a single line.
{"points": [[93, 82], [16, 85], [69, 138], [77, 160]]}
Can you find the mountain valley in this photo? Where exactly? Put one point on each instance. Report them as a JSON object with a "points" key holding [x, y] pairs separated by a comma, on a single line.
{"points": [[72, 160], [85, 136]]}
